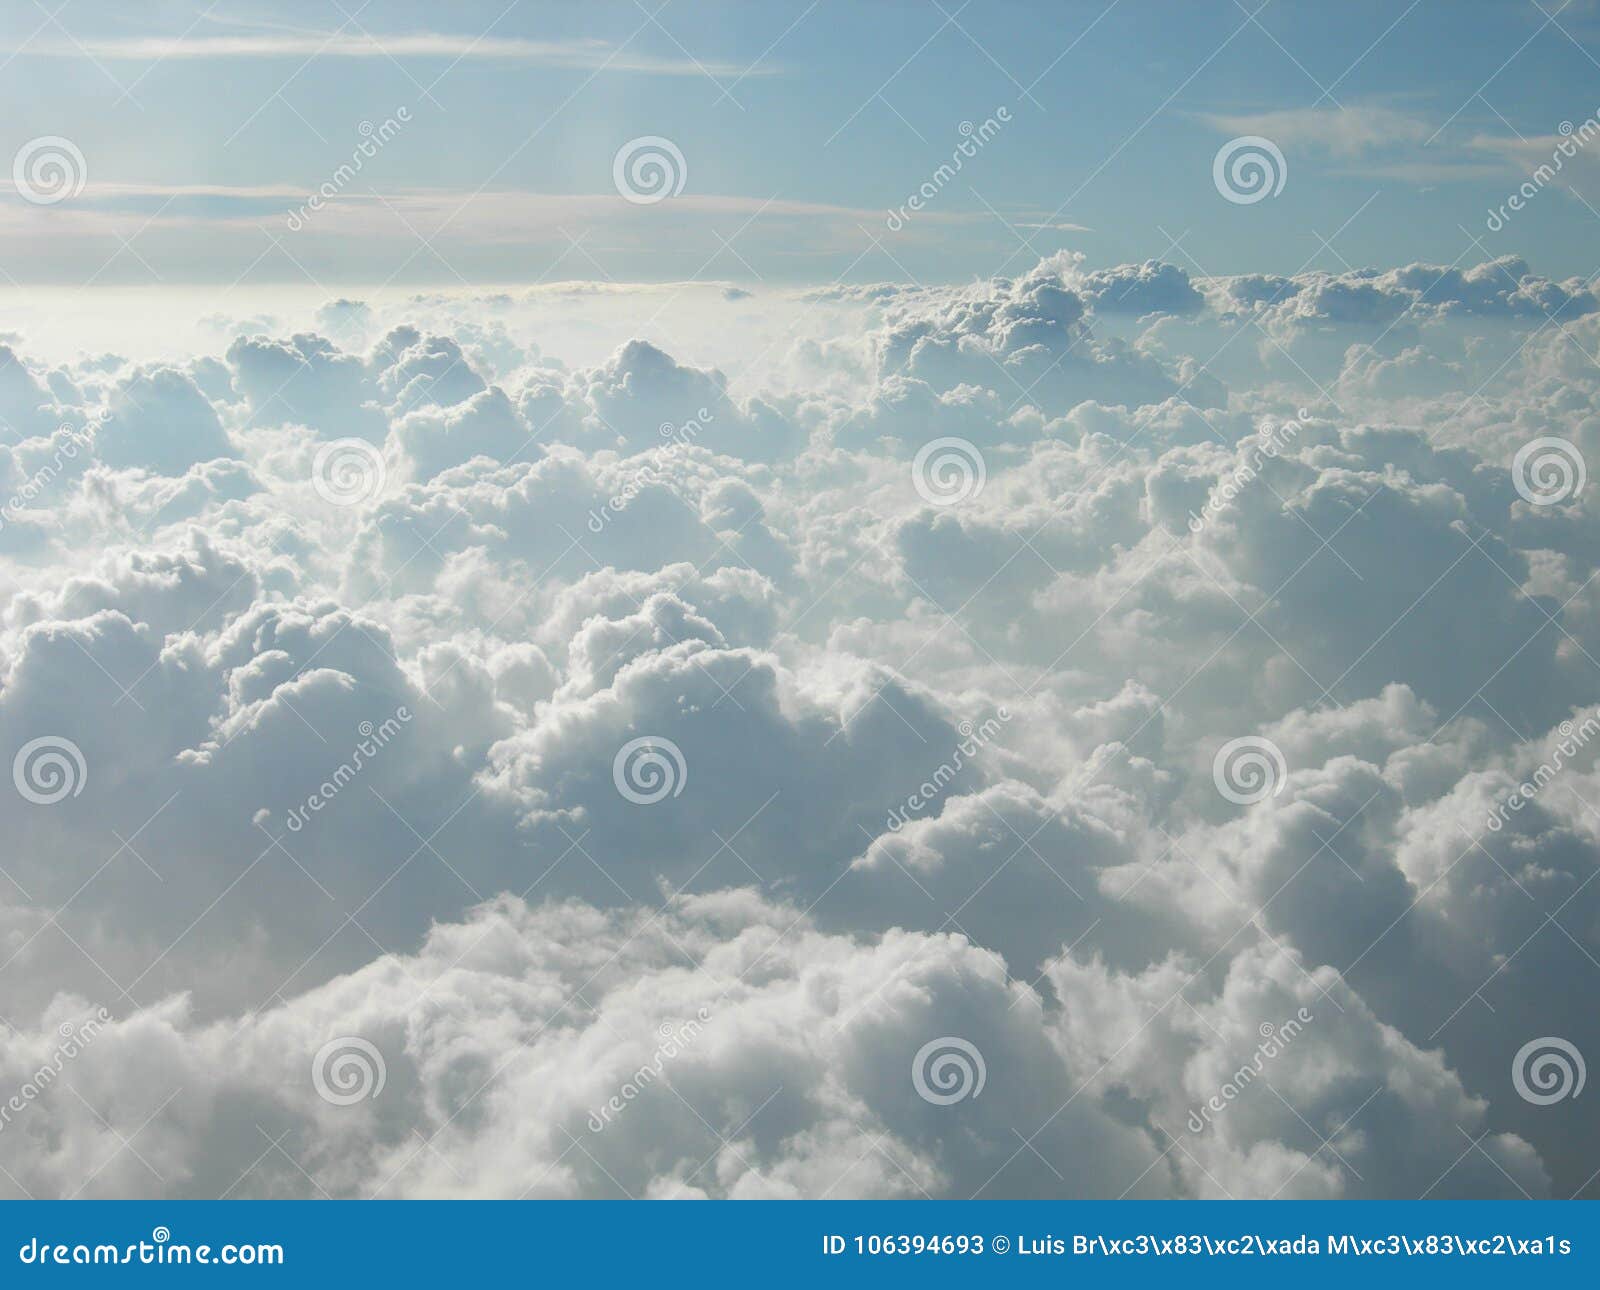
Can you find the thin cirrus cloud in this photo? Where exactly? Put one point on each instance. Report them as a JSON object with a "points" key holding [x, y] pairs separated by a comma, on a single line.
{"points": [[183, 231], [1349, 131], [585, 54], [1381, 142]]}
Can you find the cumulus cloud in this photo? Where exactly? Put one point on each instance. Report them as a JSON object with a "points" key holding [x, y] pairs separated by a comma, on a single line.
{"points": [[448, 764]]}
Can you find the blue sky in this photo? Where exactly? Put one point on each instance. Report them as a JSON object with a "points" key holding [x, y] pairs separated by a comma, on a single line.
{"points": [[800, 125]]}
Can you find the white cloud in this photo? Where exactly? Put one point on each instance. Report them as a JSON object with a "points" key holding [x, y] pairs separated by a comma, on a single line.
{"points": [[350, 769], [1345, 131], [587, 54]]}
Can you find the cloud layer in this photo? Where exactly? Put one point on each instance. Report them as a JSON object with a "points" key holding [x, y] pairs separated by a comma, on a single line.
{"points": [[1098, 732]]}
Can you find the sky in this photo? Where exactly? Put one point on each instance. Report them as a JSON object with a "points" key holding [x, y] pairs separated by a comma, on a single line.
{"points": [[770, 601], [800, 126]]}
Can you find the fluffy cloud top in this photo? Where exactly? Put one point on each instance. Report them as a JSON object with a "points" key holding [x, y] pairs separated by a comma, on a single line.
{"points": [[446, 768]]}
